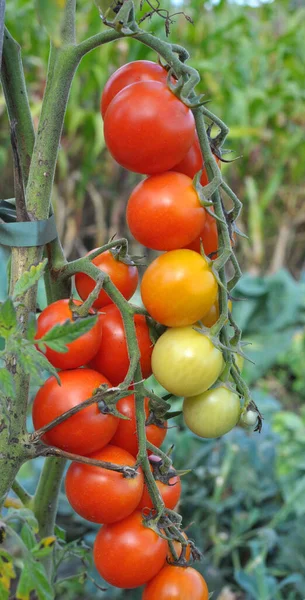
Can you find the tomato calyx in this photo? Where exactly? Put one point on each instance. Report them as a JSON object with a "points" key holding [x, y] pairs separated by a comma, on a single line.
{"points": [[186, 545], [120, 253], [164, 472], [79, 311]]}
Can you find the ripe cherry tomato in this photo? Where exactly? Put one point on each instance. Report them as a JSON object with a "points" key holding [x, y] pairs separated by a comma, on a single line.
{"points": [[178, 288], [213, 315], [101, 495], [208, 236], [164, 212], [125, 278], [125, 435], [112, 356], [139, 70], [185, 361], [170, 492], [193, 162], [177, 583], [81, 350], [147, 128], [86, 431], [178, 548], [212, 413], [127, 554]]}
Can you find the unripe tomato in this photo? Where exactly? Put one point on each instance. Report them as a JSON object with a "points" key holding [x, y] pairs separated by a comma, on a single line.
{"points": [[112, 358], [125, 278], [139, 70], [208, 236], [86, 431], [170, 493], [126, 433], [212, 413], [176, 583], [248, 419], [127, 554], [81, 350], [178, 288], [147, 128], [185, 362], [178, 548], [164, 212], [213, 315], [193, 162], [100, 495]]}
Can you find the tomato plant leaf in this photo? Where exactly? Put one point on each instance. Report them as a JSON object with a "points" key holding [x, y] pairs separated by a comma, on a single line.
{"points": [[7, 387], [33, 577], [44, 547], [60, 335], [31, 328], [23, 514], [29, 278], [34, 362], [8, 319], [28, 536], [51, 15], [7, 573]]}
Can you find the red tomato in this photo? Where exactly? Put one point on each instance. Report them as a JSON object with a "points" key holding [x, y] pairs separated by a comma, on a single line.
{"points": [[139, 70], [176, 583], [147, 128], [170, 492], [81, 350], [178, 288], [86, 431], [125, 435], [193, 162], [209, 237], [164, 212], [101, 495], [127, 554], [124, 277], [112, 356]]}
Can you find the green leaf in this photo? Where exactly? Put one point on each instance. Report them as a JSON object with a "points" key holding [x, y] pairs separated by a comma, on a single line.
{"points": [[34, 363], [7, 573], [23, 514], [106, 8], [31, 328], [60, 335], [33, 577], [7, 386], [44, 547], [28, 536], [51, 15], [8, 319], [29, 278]]}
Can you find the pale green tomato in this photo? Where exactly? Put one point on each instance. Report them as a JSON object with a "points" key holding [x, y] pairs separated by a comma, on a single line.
{"points": [[248, 419], [212, 413], [185, 361]]}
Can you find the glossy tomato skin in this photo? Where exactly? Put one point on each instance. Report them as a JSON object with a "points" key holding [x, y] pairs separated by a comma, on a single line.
{"points": [[170, 494], [111, 358], [125, 278], [100, 495], [125, 435], [209, 238], [133, 72], [86, 431], [178, 288], [176, 583], [127, 554], [185, 362], [147, 128], [193, 162], [212, 413], [164, 212], [81, 350]]}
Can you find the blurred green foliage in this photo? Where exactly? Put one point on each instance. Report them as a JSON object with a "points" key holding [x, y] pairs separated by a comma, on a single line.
{"points": [[244, 502]]}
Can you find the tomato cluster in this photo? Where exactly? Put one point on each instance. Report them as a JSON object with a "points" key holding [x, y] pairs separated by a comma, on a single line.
{"points": [[148, 130]]}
